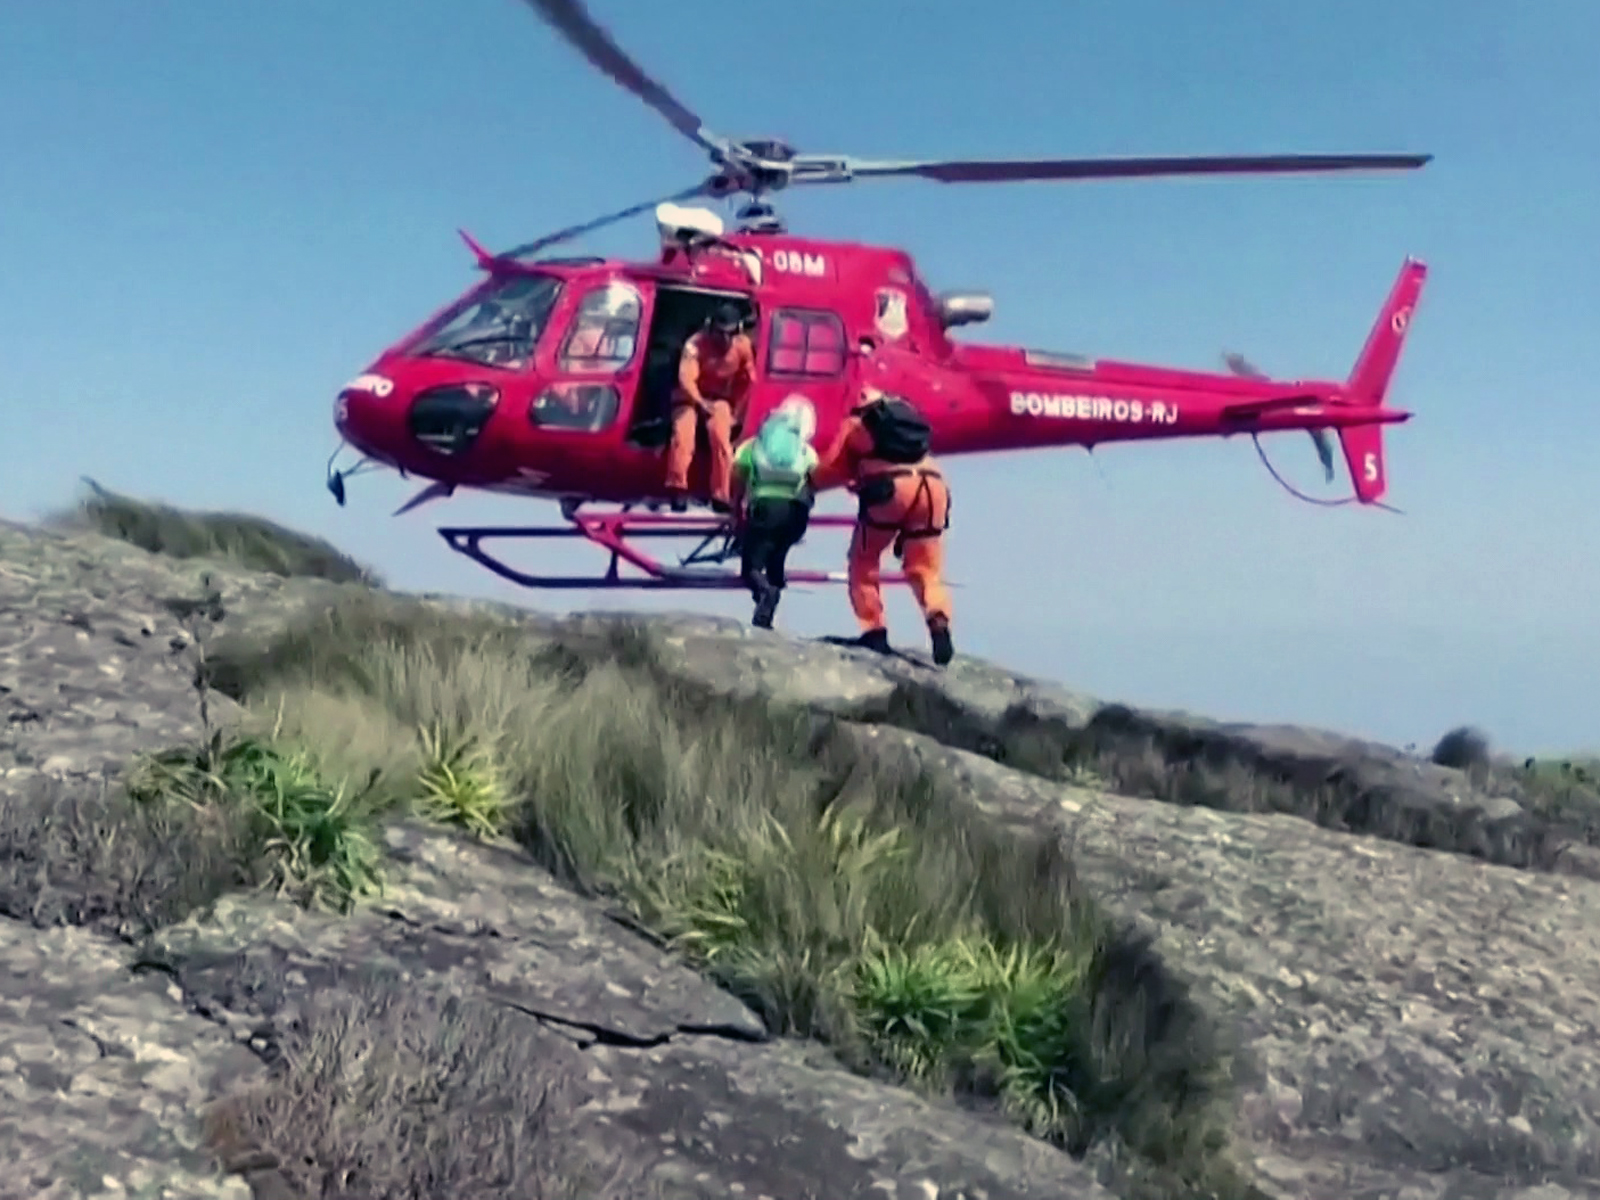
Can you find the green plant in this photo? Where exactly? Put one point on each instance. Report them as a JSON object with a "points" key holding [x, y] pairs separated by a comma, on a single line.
{"points": [[921, 1009], [845, 895], [1037, 1023], [319, 839], [461, 783], [315, 837], [969, 1007], [695, 898]]}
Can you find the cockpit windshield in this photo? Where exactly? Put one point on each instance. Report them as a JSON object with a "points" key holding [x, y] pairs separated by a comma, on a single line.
{"points": [[498, 326]]}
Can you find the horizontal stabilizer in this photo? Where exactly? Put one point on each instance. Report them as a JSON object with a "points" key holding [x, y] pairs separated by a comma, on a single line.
{"points": [[1255, 408]]}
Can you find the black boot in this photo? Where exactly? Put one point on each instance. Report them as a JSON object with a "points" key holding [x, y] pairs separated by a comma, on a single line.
{"points": [[943, 648], [766, 608], [680, 502], [876, 640]]}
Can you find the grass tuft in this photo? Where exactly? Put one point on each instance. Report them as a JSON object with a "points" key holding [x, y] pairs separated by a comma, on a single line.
{"points": [[964, 1008], [314, 838], [248, 541], [461, 783], [383, 1091], [1564, 792], [919, 1007], [84, 854], [844, 895], [1135, 755]]}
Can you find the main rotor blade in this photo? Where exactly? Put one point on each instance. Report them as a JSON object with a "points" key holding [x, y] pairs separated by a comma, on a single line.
{"points": [[622, 214], [1012, 170], [572, 20]]}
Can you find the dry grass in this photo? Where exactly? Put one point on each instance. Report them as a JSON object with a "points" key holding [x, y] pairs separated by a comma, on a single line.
{"points": [[385, 1092], [1565, 792], [243, 539], [1123, 751], [842, 897], [84, 854], [848, 899]]}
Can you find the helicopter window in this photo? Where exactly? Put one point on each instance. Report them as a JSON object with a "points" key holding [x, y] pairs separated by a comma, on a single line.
{"points": [[806, 343], [605, 331], [496, 326], [581, 407]]}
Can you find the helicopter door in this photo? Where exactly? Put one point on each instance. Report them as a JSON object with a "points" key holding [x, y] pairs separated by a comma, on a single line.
{"points": [[597, 362], [679, 312], [806, 354]]}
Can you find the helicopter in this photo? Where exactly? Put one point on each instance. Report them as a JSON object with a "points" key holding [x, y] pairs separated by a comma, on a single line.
{"points": [[552, 377]]}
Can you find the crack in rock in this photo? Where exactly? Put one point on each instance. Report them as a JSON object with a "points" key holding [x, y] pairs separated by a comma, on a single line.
{"points": [[106, 1049], [603, 1035]]}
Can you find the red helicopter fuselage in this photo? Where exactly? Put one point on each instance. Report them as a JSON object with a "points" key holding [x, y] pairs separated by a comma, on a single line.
{"points": [[554, 378]]}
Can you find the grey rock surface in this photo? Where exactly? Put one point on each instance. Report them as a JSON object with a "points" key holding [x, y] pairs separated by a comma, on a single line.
{"points": [[1412, 1022], [102, 1074], [680, 1077]]}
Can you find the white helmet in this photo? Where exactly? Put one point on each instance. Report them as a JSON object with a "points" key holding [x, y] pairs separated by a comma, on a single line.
{"points": [[801, 412]]}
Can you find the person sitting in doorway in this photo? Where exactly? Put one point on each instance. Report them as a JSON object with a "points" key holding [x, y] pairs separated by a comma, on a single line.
{"points": [[772, 475], [715, 374]]}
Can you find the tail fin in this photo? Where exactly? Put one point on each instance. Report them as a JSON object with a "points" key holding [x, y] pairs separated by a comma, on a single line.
{"points": [[1369, 382]]}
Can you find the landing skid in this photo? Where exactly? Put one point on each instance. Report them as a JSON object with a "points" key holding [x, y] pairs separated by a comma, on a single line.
{"points": [[702, 568]]}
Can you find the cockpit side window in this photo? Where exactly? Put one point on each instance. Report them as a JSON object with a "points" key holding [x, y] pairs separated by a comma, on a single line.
{"points": [[604, 333]]}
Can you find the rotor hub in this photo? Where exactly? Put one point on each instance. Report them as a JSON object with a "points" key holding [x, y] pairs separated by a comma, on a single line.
{"points": [[771, 150], [753, 166]]}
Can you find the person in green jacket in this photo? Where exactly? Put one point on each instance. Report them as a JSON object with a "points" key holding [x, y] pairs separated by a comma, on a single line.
{"points": [[773, 471]]}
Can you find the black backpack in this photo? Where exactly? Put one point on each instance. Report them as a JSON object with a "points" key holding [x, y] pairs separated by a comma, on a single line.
{"points": [[900, 434]]}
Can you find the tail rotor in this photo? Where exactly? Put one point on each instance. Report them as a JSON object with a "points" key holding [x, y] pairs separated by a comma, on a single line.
{"points": [[1239, 365]]}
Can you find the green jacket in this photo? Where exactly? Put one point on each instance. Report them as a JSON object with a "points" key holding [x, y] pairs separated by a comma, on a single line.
{"points": [[745, 466]]}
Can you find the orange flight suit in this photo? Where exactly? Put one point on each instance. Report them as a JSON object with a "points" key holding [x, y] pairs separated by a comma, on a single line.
{"points": [[903, 505], [714, 377]]}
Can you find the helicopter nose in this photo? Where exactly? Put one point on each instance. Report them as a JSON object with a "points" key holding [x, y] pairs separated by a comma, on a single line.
{"points": [[360, 409], [411, 428]]}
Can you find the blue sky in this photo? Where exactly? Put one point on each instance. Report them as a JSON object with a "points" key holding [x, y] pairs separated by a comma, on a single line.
{"points": [[212, 215]]}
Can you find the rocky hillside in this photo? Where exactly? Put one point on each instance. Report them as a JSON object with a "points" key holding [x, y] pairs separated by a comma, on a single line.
{"points": [[310, 890]]}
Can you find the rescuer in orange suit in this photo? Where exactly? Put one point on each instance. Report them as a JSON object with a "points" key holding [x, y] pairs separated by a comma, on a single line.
{"points": [[881, 454], [715, 372]]}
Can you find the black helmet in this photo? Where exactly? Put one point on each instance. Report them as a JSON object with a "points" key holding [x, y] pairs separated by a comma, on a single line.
{"points": [[727, 318]]}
